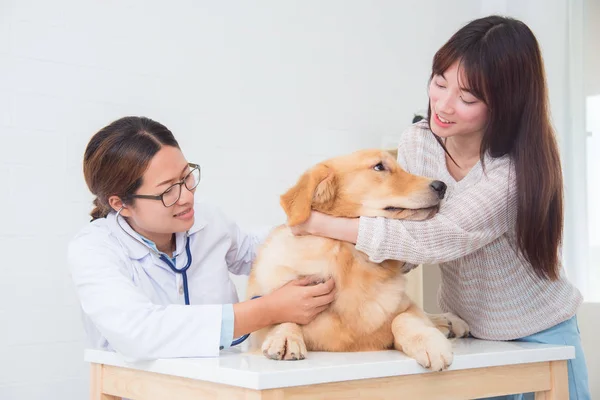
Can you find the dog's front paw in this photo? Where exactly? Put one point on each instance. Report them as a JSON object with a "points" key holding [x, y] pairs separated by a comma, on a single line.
{"points": [[284, 347], [430, 348], [450, 325]]}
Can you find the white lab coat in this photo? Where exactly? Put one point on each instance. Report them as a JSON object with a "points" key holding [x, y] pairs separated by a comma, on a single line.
{"points": [[134, 303]]}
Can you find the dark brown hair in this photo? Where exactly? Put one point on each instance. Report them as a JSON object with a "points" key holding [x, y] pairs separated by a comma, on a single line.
{"points": [[502, 65], [117, 156]]}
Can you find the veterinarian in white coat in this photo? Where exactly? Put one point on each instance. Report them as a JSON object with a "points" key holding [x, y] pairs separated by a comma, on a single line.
{"points": [[152, 268]]}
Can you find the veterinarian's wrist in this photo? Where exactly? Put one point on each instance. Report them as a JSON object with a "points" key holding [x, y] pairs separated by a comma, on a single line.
{"points": [[270, 310]]}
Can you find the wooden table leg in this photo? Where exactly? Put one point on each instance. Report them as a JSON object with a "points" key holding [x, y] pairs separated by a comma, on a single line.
{"points": [[96, 384], [559, 379]]}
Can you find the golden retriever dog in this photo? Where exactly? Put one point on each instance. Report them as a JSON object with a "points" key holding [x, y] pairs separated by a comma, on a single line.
{"points": [[371, 310]]}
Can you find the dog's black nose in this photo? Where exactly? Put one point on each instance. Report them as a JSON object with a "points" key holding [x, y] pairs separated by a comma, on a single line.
{"points": [[439, 187]]}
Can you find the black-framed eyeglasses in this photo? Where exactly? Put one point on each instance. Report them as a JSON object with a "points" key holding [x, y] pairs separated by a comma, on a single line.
{"points": [[171, 196]]}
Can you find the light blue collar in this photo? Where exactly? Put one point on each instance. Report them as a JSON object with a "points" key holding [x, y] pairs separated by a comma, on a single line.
{"points": [[138, 247], [152, 245]]}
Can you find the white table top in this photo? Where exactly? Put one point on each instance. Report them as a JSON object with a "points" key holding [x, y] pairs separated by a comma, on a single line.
{"points": [[252, 371]]}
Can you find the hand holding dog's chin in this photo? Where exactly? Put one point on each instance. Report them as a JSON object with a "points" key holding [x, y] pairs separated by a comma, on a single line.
{"points": [[312, 226], [320, 224]]}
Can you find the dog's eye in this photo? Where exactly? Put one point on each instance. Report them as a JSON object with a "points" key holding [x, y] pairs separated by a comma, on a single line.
{"points": [[379, 167]]}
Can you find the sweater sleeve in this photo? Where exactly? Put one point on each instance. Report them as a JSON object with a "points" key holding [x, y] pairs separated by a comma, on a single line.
{"points": [[466, 222]]}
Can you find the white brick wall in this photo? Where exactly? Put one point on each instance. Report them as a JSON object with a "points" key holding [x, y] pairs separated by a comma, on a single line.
{"points": [[255, 92]]}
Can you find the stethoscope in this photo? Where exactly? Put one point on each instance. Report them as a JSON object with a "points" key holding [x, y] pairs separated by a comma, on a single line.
{"points": [[182, 271]]}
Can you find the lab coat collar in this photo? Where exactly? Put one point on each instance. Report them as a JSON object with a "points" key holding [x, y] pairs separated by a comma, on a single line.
{"points": [[133, 243]]}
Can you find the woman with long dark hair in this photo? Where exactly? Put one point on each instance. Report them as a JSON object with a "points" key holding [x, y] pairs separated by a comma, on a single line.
{"points": [[498, 234]]}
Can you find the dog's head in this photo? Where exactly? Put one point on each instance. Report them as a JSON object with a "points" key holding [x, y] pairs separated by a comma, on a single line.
{"points": [[366, 183]]}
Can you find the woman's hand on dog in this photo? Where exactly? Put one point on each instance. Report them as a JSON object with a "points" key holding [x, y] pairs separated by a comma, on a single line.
{"points": [[320, 224], [301, 300], [309, 226]]}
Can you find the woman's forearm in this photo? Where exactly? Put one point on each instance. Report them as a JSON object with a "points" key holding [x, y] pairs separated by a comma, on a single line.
{"points": [[345, 229]]}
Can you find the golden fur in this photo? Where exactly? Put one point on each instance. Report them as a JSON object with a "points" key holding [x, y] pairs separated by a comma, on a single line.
{"points": [[371, 310]]}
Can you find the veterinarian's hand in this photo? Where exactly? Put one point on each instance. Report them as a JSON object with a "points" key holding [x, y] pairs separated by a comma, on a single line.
{"points": [[300, 301]]}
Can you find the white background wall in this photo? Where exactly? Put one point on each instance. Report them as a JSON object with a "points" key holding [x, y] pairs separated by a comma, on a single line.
{"points": [[254, 91], [592, 92], [592, 55]]}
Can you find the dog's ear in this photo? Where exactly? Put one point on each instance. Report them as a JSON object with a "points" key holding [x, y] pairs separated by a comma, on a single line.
{"points": [[393, 152], [315, 187]]}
